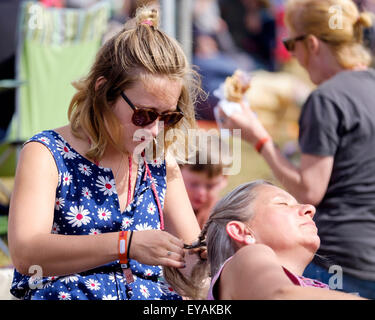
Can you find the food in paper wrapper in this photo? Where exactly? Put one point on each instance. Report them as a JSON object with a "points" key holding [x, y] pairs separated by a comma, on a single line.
{"points": [[236, 86]]}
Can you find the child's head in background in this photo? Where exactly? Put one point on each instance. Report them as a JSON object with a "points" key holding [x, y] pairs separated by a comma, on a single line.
{"points": [[204, 176]]}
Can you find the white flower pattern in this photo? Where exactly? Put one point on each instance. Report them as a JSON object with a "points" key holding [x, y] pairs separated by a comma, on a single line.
{"points": [[86, 193], [64, 150], [55, 228], [78, 216], [151, 208], [84, 169], [64, 296], [104, 214], [106, 185], [93, 284], [67, 179], [59, 203], [127, 222]]}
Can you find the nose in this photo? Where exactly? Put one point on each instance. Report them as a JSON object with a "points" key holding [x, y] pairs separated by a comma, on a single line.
{"points": [[154, 128], [307, 209], [201, 192]]}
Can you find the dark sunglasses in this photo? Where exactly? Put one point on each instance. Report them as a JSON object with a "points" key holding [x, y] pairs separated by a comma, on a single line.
{"points": [[290, 43], [144, 116]]}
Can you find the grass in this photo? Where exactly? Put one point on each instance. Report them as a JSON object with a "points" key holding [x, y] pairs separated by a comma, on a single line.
{"points": [[253, 167]]}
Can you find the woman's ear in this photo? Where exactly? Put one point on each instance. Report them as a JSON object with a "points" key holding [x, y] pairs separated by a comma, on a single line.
{"points": [[240, 233], [237, 231], [313, 44], [99, 82]]}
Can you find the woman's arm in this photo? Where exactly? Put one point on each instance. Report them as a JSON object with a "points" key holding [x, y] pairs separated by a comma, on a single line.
{"points": [[180, 219], [31, 219], [307, 183], [254, 273]]}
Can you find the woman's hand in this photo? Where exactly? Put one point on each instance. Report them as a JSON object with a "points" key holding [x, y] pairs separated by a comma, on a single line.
{"points": [[252, 129], [156, 247]]}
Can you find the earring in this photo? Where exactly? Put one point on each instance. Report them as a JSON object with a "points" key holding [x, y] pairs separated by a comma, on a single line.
{"points": [[249, 240]]}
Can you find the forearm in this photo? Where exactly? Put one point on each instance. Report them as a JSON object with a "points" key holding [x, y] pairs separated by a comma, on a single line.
{"points": [[61, 255], [65, 254]]}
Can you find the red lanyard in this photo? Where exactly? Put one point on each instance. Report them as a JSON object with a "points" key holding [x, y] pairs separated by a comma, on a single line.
{"points": [[153, 188], [129, 181], [148, 173]]}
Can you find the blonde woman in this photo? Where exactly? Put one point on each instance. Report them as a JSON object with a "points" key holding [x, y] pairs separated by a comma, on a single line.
{"points": [[337, 136], [259, 240], [89, 213]]}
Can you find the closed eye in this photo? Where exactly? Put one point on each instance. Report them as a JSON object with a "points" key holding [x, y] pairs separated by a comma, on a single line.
{"points": [[283, 203]]}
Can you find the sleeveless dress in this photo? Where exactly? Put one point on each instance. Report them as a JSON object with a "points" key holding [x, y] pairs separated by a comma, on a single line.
{"points": [[297, 280], [87, 204]]}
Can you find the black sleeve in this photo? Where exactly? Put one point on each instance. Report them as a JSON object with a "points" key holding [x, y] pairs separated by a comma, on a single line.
{"points": [[319, 122]]}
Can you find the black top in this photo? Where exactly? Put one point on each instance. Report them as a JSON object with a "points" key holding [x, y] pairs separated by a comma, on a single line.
{"points": [[338, 119]]}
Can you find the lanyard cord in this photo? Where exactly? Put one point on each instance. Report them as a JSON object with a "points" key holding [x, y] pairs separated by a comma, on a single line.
{"points": [[153, 188], [148, 173]]}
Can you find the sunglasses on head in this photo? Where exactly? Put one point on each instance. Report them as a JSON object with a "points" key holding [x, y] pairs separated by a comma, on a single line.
{"points": [[145, 116], [290, 43]]}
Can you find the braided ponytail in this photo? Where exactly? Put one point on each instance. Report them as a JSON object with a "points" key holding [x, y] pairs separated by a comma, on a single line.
{"points": [[196, 285]]}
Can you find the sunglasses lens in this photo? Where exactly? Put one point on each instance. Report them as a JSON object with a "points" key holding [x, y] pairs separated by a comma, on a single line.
{"points": [[289, 44], [142, 117], [171, 118]]}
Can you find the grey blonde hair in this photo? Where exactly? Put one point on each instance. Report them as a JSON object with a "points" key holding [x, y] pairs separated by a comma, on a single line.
{"points": [[138, 51], [236, 205], [315, 17]]}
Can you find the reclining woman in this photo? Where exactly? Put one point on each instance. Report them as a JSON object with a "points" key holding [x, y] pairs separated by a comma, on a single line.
{"points": [[259, 241]]}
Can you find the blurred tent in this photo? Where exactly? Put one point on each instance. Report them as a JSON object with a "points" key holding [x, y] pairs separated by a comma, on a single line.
{"points": [[56, 46], [8, 26]]}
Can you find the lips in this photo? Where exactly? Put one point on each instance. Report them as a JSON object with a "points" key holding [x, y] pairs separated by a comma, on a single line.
{"points": [[309, 223]]}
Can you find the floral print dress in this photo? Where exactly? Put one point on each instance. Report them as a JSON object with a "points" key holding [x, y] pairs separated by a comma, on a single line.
{"points": [[87, 204]]}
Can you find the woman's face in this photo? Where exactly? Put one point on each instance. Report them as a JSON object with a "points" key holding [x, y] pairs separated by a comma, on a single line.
{"points": [[281, 222], [306, 58], [158, 93]]}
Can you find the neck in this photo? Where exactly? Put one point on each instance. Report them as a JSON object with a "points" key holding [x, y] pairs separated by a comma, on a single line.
{"points": [[295, 262], [324, 64], [331, 68]]}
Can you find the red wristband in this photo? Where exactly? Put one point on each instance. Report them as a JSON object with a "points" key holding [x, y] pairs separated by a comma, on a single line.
{"points": [[261, 142]]}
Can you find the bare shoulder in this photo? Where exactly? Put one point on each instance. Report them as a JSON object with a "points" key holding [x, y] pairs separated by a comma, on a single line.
{"points": [[33, 149], [36, 157], [253, 256], [254, 272]]}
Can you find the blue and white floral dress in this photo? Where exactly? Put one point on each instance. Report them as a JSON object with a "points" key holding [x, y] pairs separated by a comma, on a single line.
{"points": [[87, 204]]}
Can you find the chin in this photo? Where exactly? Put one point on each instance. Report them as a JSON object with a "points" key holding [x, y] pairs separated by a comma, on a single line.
{"points": [[316, 79], [315, 244], [196, 207], [311, 243]]}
